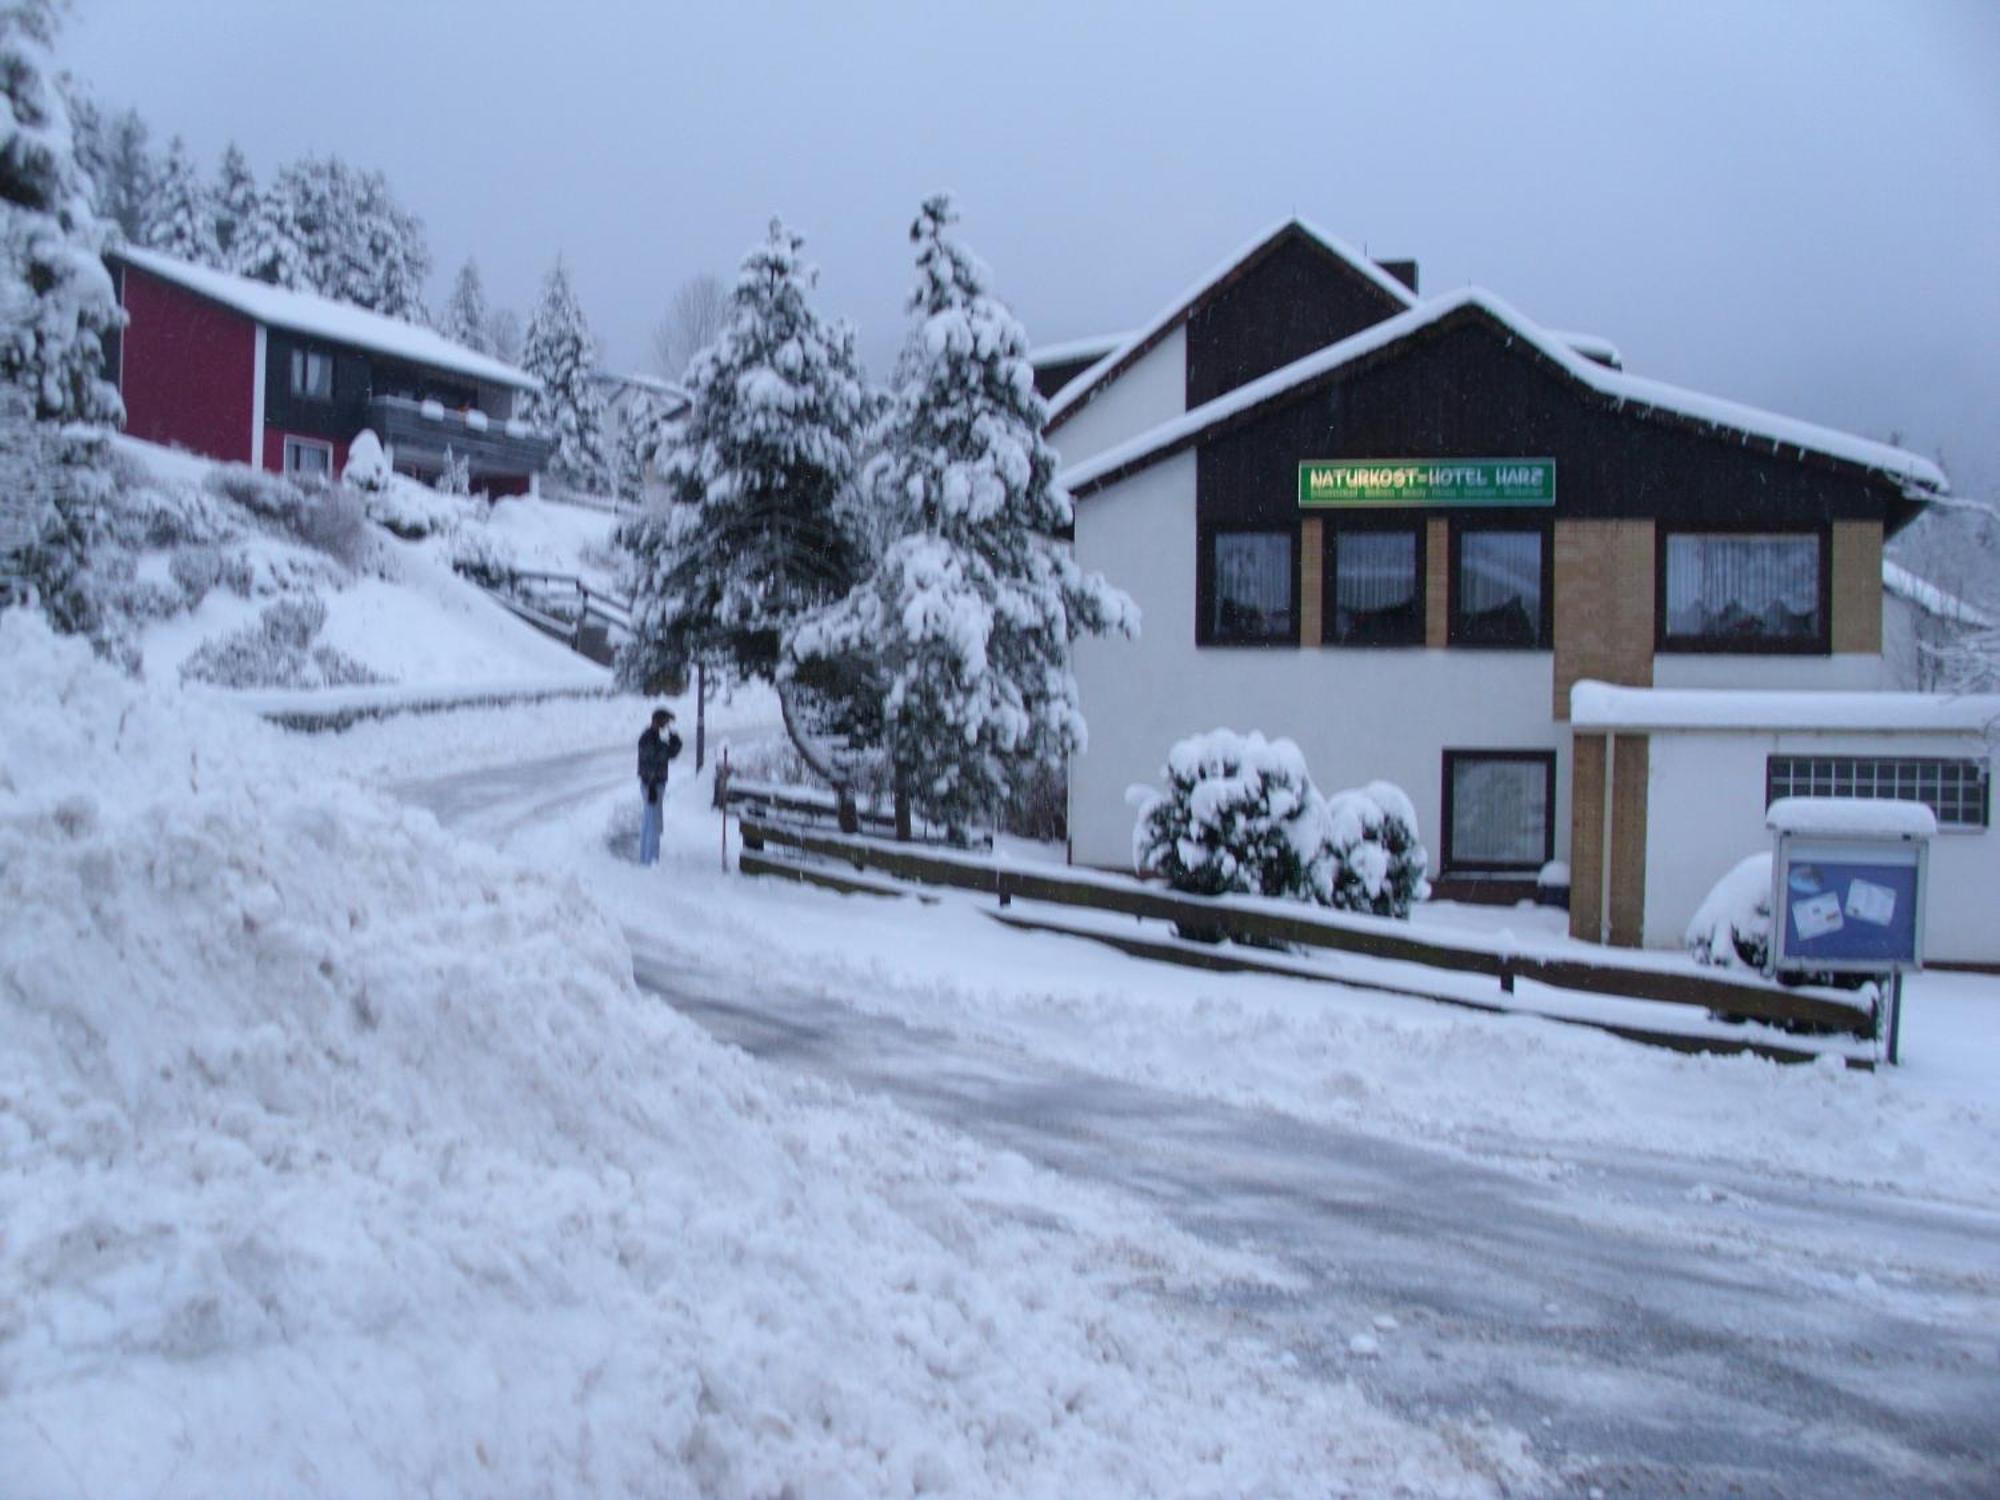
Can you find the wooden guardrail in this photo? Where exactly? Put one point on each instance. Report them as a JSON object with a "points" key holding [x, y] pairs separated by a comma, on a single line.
{"points": [[1260, 924]]}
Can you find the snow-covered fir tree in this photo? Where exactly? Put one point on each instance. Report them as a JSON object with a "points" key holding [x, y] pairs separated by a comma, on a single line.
{"points": [[271, 244], [560, 352], [388, 257], [182, 222], [56, 301], [113, 151], [970, 614], [233, 202], [760, 473], [465, 312], [56, 310]]}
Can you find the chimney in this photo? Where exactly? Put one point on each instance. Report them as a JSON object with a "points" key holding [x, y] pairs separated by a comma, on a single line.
{"points": [[1404, 271]]}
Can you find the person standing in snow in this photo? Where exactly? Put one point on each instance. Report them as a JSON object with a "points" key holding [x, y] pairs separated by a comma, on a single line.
{"points": [[658, 745]]}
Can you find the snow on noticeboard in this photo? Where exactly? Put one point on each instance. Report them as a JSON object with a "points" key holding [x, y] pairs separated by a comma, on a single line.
{"points": [[1849, 817], [322, 317]]}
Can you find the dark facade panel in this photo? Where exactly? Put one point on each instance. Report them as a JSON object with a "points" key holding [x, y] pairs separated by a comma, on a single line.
{"points": [[1296, 298], [1467, 389], [342, 416], [1053, 377]]}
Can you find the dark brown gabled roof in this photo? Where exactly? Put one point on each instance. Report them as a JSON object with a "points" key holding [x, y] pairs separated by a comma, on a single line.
{"points": [[1073, 397], [1919, 476]]}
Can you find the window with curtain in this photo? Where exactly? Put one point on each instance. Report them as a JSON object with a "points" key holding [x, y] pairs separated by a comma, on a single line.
{"points": [[312, 375], [1500, 813], [1742, 590], [1376, 587], [1499, 588], [1251, 594]]}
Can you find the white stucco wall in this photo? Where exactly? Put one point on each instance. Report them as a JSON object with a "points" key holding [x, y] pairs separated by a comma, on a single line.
{"points": [[1152, 391], [1844, 672], [1705, 811], [1358, 715]]}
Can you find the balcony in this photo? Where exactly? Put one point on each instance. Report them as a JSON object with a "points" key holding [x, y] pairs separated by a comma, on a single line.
{"points": [[419, 432]]}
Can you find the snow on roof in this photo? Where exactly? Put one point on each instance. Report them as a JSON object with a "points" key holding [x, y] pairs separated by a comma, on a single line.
{"points": [[1928, 597], [1592, 347], [1846, 816], [1072, 394], [1096, 346], [1616, 384], [657, 385], [1602, 706], [322, 317]]}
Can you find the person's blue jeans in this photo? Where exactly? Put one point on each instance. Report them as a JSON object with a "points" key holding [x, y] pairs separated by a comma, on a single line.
{"points": [[649, 828]]}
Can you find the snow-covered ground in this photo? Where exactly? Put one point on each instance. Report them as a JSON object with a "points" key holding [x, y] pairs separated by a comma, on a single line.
{"points": [[343, 1157]]}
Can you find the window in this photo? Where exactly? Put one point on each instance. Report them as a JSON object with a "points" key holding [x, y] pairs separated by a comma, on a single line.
{"points": [[1252, 589], [1374, 585], [1743, 592], [1500, 591], [1958, 791], [303, 456], [312, 375], [1499, 809]]}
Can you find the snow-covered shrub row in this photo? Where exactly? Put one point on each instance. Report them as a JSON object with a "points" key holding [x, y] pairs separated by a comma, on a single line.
{"points": [[344, 1158], [483, 556], [277, 652], [414, 511], [1240, 816]]}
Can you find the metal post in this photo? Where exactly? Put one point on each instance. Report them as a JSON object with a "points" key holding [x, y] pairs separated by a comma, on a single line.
{"points": [[722, 801], [700, 715], [1895, 1017]]}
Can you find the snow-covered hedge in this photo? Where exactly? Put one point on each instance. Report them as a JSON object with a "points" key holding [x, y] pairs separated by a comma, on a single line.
{"points": [[1732, 927], [414, 511], [1240, 816], [277, 652]]}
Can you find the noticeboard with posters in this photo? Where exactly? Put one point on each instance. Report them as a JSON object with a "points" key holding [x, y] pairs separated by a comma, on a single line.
{"points": [[1848, 905]]}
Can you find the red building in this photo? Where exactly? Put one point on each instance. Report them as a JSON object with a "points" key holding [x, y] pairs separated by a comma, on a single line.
{"points": [[237, 370]]}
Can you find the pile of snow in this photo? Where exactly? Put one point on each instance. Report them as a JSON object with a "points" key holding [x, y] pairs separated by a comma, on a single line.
{"points": [[1240, 816], [367, 465], [344, 1158]]}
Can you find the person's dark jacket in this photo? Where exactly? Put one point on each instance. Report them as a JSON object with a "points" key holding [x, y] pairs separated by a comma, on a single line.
{"points": [[655, 755]]}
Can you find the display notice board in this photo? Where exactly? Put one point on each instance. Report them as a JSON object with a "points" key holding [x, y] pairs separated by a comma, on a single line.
{"points": [[1848, 905]]}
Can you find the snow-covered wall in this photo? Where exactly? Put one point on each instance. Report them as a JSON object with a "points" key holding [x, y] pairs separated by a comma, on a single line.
{"points": [[1152, 391], [1358, 715], [1705, 811]]}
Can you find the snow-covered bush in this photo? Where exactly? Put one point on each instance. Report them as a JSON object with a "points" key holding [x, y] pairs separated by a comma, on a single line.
{"points": [[413, 511], [483, 557], [455, 476], [335, 520], [277, 652], [270, 497], [197, 570], [1241, 816], [1372, 860], [367, 465], [1732, 927]]}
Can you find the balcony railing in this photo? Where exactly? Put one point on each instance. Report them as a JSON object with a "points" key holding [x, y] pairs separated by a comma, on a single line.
{"points": [[420, 431]]}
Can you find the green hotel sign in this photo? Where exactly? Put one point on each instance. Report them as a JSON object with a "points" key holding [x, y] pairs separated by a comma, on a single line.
{"points": [[1427, 481]]}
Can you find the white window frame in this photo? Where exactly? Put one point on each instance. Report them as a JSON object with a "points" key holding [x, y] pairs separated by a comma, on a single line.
{"points": [[296, 445]]}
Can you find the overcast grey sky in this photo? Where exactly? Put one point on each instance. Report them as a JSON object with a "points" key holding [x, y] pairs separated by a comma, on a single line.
{"points": [[1792, 204]]}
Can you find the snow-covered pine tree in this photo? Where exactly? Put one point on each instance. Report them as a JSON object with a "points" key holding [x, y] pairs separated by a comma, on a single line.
{"points": [[271, 245], [465, 313], [560, 353], [389, 257], [182, 222], [233, 203], [760, 473], [125, 194], [56, 301], [56, 309], [971, 612]]}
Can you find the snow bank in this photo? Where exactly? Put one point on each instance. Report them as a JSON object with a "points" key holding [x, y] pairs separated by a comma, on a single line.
{"points": [[1732, 927], [345, 1159]]}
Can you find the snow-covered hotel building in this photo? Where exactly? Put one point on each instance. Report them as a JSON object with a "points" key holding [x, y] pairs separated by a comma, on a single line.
{"points": [[1401, 530]]}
